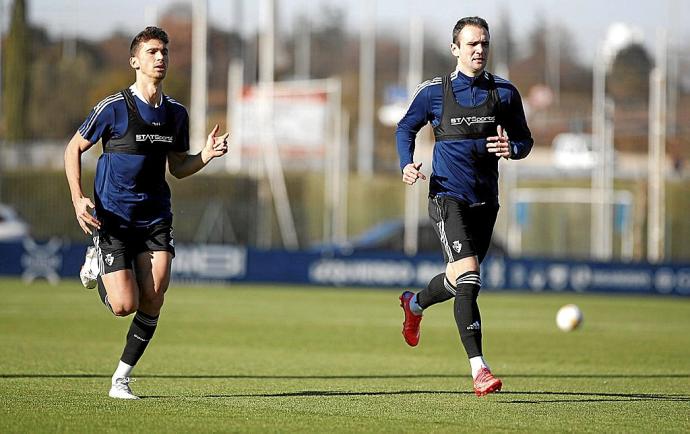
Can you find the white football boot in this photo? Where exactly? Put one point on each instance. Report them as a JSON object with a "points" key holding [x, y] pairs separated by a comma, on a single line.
{"points": [[90, 270], [120, 389]]}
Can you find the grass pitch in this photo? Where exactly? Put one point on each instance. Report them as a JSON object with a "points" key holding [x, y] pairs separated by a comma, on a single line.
{"points": [[289, 359]]}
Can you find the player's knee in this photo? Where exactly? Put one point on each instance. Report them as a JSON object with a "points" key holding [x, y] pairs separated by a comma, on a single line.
{"points": [[123, 308], [454, 271], [451, 273]]}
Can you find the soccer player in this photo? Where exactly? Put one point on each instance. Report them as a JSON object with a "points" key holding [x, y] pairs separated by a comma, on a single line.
{"points": [[142, 130], [471, 112]]}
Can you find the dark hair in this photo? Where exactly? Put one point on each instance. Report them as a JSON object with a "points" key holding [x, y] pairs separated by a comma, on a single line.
{"points": [[145, 35], [468, 21]]}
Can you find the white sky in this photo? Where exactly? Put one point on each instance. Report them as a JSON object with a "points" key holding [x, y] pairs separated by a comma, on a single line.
{"points": [[587, 20]]}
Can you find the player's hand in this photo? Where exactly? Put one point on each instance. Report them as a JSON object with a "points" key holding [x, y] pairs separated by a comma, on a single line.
{"points": [[411, 173], [84, 218], [499, 145], [216, 146]]}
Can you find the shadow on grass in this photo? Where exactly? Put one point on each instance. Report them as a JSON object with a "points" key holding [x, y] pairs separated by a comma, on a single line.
{"points": [[513, 397]]}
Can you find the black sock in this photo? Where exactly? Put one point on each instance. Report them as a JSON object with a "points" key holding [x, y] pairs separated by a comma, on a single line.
{"points": [[467, 312], [437, 291], [140, 333], [103, 294]]}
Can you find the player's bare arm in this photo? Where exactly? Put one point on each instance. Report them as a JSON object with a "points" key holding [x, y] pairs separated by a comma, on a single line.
{"points": [[82, 204], [411, 173], [182, 164]]}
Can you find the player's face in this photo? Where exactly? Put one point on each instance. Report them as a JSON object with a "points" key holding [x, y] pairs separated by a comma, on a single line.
{"points": [[151, 59], [472, 50]]}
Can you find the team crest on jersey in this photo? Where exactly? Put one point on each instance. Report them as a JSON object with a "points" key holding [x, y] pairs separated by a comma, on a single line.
{"points": [[457, 246], [109, 259]]}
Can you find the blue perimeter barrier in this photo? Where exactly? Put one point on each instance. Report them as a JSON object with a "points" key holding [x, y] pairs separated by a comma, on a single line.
{"points": [[55, 260]]}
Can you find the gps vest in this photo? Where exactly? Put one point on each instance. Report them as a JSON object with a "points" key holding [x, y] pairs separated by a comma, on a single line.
{"points": [[461, 123], [142, 138], [132, 186]]}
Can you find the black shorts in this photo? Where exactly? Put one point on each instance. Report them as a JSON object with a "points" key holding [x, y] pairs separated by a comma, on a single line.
{"points": [[119, 245], [464, 230]]}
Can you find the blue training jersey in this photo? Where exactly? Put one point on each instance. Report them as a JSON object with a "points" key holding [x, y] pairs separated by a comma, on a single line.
{"points": [[131, 187], [456, 170]]}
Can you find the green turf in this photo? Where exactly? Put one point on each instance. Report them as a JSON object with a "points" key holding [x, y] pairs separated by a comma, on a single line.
{"points": [[287, 359]]}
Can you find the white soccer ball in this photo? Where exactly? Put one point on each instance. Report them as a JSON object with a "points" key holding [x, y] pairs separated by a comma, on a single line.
{"points": [[569, 317]]}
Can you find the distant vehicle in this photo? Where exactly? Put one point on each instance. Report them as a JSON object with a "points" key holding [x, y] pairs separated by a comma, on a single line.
{"points": [[389, 236], [573, 151], [12, 228]]}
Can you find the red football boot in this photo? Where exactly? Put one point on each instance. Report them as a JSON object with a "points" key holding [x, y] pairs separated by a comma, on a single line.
{"points": [[410, 329], [486, 383]]}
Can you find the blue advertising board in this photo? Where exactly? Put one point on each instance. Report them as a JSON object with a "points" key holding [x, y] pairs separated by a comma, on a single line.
{"points": [[54, 260]]}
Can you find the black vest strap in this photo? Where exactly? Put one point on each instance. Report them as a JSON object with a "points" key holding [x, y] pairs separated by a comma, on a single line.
{"points": [[142, 138], [461, 123]]}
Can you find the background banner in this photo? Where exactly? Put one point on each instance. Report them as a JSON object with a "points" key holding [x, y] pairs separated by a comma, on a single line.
{"points": [[55, 260]]}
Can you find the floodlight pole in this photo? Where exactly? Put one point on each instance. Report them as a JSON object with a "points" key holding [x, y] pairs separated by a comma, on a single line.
{"points": [[234, 103], [151, 15], [553, 62], [269, 147], [69, 42], [303, 48], [2, 29], [265, 65], [233, 114], [602, 173], [197, 117], [672, 97], [367, 72], [656, 204], [336, 167], [415, 65], [500, 53], [598, 103], [672, 65], [513, 231], [340, 218]]}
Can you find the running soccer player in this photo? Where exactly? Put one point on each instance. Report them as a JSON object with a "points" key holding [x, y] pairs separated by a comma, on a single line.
{"points": [[142, 130], [471, 112]]}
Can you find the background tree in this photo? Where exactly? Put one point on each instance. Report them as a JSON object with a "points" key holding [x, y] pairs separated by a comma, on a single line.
{"points": [[17, 73], [629, 77]]}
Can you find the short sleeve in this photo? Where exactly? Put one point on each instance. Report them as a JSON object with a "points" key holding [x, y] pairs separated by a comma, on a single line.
{"points": [[100, 121], [182, 139]]}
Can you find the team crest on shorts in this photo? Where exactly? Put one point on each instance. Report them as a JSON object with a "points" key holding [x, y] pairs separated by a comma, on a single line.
{"points": [[109, 259], [457, 246]]}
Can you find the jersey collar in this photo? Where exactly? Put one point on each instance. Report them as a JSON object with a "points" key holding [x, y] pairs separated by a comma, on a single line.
{"points": [[470, 81], [138, 94]]}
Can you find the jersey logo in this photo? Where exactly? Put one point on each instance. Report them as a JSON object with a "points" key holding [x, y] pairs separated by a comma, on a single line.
{"points": [[471, 120], [457, 246], [474, 326], [153, 138]]}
